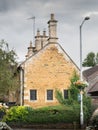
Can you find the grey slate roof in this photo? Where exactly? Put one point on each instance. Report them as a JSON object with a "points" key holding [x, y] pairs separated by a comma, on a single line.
{"points": [[90, 71], [94, 88]]}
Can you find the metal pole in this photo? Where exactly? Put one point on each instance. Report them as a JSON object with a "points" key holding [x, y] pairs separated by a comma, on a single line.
{"points": [[81, 109], [81, 96], [33, 18], [81, 49], [21, 87], [33, 29], [81, 93], [80, 53]]}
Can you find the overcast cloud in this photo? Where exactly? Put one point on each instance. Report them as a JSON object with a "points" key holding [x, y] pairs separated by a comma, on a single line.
{"points": [[18, 31]]}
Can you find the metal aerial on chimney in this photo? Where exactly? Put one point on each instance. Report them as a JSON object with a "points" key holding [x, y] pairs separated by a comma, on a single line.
{"points": [[33, 18]]}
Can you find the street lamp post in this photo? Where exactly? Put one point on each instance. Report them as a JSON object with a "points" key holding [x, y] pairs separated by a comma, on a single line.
{"points": [[81, 93]]}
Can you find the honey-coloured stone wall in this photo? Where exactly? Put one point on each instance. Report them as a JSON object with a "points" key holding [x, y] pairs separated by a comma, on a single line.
{"points": [[50, 68]]}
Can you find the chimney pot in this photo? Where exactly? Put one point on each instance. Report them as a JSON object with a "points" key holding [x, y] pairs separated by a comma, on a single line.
{"points": [[44, 33], [38, 32], [30, 43], [52, 16]]}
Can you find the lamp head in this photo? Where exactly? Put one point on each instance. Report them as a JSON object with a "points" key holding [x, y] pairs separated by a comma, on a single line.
{"points": [[87, 18]]}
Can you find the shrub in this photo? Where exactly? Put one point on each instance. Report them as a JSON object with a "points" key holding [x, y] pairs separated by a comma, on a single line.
{"points": [[87, 108], [17, 114], [94, 121], [26, 115]]}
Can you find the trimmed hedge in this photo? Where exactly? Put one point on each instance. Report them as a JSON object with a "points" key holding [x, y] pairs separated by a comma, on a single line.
{"points": [[27, 115]]}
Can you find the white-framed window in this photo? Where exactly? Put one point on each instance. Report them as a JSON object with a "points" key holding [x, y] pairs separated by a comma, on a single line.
{"points": [[49, 94], [65, 94], [33, 94]]}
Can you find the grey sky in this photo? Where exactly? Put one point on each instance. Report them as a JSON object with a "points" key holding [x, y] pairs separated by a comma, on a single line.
{"points": [[18, 31]]}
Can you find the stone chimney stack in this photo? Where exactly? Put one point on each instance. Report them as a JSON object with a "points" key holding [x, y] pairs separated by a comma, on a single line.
{"points": [[30, 50], [52, 29], [40, 40], [44, 38]]}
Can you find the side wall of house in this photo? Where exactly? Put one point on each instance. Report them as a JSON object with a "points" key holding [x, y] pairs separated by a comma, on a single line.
{"points": [[49, 69]]}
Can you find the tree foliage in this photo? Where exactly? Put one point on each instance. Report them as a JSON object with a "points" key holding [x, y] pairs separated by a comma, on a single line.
{"points": [[73, 89], [8, 67], [91, 60], [72, 92], [73, 101]]}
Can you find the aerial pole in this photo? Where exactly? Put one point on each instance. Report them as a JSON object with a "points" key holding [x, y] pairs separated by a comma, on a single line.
{"points": [[33, 18]]}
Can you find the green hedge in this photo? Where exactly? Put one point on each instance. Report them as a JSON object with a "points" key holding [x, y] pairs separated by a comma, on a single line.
{"points": [[57, 114]]}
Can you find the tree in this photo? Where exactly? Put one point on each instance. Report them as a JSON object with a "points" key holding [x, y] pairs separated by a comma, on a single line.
{"points": [[8, 71], [90, 60]]}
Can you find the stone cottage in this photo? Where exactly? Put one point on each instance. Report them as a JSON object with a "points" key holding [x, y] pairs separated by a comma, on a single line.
{"points": [[47, 67]]}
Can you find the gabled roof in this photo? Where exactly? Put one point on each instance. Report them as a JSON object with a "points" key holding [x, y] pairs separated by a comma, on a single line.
{"points": [[90, 71], [94, 88], [87, 73], [45, 48]]}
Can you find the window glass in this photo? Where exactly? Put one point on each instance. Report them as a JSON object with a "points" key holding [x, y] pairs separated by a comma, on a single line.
{"points": [[49, 94], [65, 94], [33, 94]]}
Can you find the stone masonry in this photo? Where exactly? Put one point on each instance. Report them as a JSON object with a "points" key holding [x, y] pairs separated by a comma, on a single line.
{"points": [[48, 67]]}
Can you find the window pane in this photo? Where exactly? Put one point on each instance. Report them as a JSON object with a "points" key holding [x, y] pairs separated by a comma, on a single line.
{"points": [[49, 94], [33, 95], [65, 94]]}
